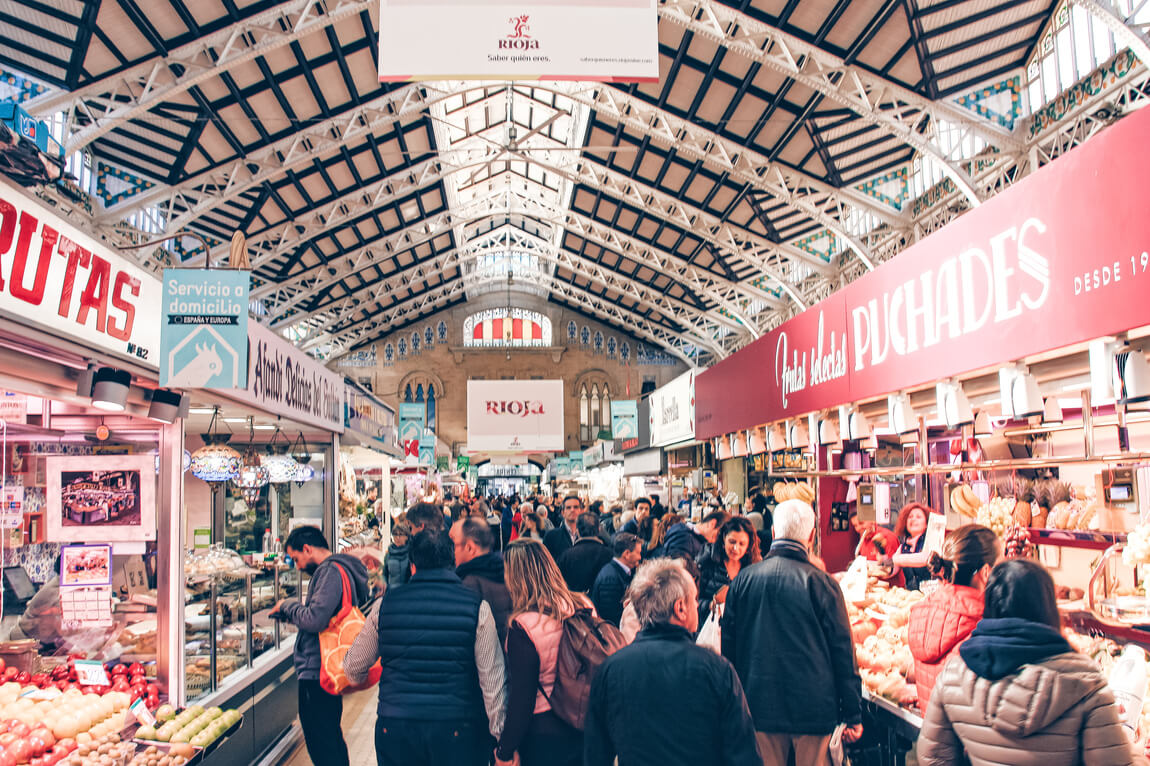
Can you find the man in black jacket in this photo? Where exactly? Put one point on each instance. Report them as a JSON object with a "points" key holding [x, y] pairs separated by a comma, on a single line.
{"points": [[690, 539], [481, 569], [611, 583], [663, 700], [319, 712], [581, 562], [565, 534], [785, 629]]}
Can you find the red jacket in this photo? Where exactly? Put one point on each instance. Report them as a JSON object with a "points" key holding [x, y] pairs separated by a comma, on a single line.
{"points": [[938, 625]]}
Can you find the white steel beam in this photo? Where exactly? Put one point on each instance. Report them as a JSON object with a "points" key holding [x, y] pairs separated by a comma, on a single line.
{"points": [[501, 241], [380, 324], [901, 112], [1123, 30], [113, 101], [184, 202]]}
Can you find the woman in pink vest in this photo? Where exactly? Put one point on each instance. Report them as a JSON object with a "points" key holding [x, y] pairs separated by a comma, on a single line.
{"points": [[540, 600]]}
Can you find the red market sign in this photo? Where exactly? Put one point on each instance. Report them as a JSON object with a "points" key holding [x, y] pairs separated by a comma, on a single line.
{"points": [[1060, 258], [59, 279]]}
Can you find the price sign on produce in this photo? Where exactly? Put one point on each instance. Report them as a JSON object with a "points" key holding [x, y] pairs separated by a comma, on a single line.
{"points": [[91, 673]]}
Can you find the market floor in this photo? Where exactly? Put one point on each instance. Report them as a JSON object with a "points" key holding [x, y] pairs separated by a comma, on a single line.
{"points": [[358, 730]]}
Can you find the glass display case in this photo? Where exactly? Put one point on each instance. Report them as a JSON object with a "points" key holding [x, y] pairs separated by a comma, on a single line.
{"points": [[227, 625]]}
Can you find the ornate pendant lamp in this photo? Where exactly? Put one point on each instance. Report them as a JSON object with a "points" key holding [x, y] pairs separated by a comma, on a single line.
{"points": [[304, 470], [253, 475], [281, 466], [215, 461]]}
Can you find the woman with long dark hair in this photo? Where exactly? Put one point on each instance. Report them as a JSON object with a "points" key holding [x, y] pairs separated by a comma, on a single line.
{"points": [[944, 619], [738, 547], [540, 601], [1017, 693]]}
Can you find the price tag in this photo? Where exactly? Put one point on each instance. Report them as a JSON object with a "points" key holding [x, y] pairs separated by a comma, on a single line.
{"points": [[91, 673], [50, 693], [141, 713]]}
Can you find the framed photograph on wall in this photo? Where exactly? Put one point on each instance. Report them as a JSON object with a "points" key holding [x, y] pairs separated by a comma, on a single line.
{"points": [[101, 498], [85, 565]]}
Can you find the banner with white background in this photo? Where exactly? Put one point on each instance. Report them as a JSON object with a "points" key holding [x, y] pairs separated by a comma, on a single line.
{"points": [[514, 415]]}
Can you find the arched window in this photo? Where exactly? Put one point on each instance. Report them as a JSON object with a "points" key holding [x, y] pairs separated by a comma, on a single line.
{"points": [[594, 409], [422, 392], [498, 327]]}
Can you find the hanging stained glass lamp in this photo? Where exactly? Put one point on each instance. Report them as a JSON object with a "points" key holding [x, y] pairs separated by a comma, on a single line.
{"points": [[215, 461]]}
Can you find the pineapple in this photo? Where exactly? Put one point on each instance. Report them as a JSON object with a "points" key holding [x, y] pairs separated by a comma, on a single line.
{"points": [[1023, 493], [1061, 494]]}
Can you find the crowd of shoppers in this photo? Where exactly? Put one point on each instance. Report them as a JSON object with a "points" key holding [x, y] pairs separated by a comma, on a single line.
{"points": [[474, 640]]}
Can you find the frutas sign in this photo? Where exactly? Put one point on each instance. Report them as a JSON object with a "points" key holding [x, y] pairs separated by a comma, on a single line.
{"points": [[59, 279], [1059, 258]]}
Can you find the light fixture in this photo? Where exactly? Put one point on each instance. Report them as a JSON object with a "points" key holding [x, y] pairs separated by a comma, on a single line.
{"points": [[953, 406], [253, 475], [215, 461], [165, 406], [281, 466], [1020, 395], [824, 430], [1131, 376], [797, 435], [982, 424], [853, 424], [304, 471], [869, 444], [187, 460], [110, 389], [777, 437], [900, 414], [1051, 410], [84, 381]]}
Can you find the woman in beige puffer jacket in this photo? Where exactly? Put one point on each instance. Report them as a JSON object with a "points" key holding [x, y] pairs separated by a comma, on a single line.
{"points": [[1017, 694]]}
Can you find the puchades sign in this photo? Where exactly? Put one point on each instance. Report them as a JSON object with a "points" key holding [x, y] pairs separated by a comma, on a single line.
{"points": [[1059, 258], [514, 415], [58, 279], [598, 40], [672, 411], [204, 330]]}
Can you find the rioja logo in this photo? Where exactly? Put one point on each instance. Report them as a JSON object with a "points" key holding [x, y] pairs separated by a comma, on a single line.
{"points": [[519, 39], [520, 408]]}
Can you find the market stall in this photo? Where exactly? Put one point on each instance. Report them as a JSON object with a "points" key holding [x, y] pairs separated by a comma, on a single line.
{"points": [[261, 462], [368, 446], [91, 454], [996, 372]]}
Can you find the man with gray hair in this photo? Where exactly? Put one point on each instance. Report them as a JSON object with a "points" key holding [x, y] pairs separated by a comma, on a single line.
{"points": [[663, 700], [785, 629]]}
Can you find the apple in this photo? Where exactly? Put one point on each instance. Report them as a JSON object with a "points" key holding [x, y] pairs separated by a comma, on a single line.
{"points": [[10, 673], [21, 750], [23, 677]]}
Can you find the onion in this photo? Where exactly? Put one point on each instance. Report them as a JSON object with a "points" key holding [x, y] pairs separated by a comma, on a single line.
{"points": [[68, 726]]}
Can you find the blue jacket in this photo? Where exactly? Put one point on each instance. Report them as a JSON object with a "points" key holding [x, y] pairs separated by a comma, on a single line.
{"points": [[427, 650], [607, 593], [397, 565], [324, 598], [681, 538]]}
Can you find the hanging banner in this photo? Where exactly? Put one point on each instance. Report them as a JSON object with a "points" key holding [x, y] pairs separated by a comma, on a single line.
{"points": [[1057, 259], [411, 416], [462, 463], [57, 278], [598, 40], [624, 419], [283, 380], [562, 466], [370, 418], [427, 448], [672, 415], [514, 415], [204, 329], [575, 459]]}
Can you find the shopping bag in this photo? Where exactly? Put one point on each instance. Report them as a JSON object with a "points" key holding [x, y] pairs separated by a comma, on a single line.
{"points": [[710, 635], [838, 754], [335, 641]]}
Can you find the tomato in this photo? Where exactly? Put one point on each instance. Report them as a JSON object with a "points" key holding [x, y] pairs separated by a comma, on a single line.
{"points": [[39, 679], [10, 673], [21, 750], [120, 670], [136, 669], [152, 701], [23, 678], [7, 758], [7, 738]]}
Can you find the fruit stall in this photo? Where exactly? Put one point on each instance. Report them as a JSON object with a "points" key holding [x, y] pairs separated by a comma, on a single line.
{"points": [[981, 375]]}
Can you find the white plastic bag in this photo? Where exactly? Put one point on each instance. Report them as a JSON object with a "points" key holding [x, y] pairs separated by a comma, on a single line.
{"points": [[837, 751], [854, 582], [710, 636]]}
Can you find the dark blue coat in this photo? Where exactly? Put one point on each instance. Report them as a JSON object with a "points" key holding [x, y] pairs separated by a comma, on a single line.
{"points": [[427, 650], [681, 539], [607, 593]]}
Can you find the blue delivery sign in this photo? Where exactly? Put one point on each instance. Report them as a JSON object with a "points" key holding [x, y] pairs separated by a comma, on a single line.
{"points": [[204, 335]]}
